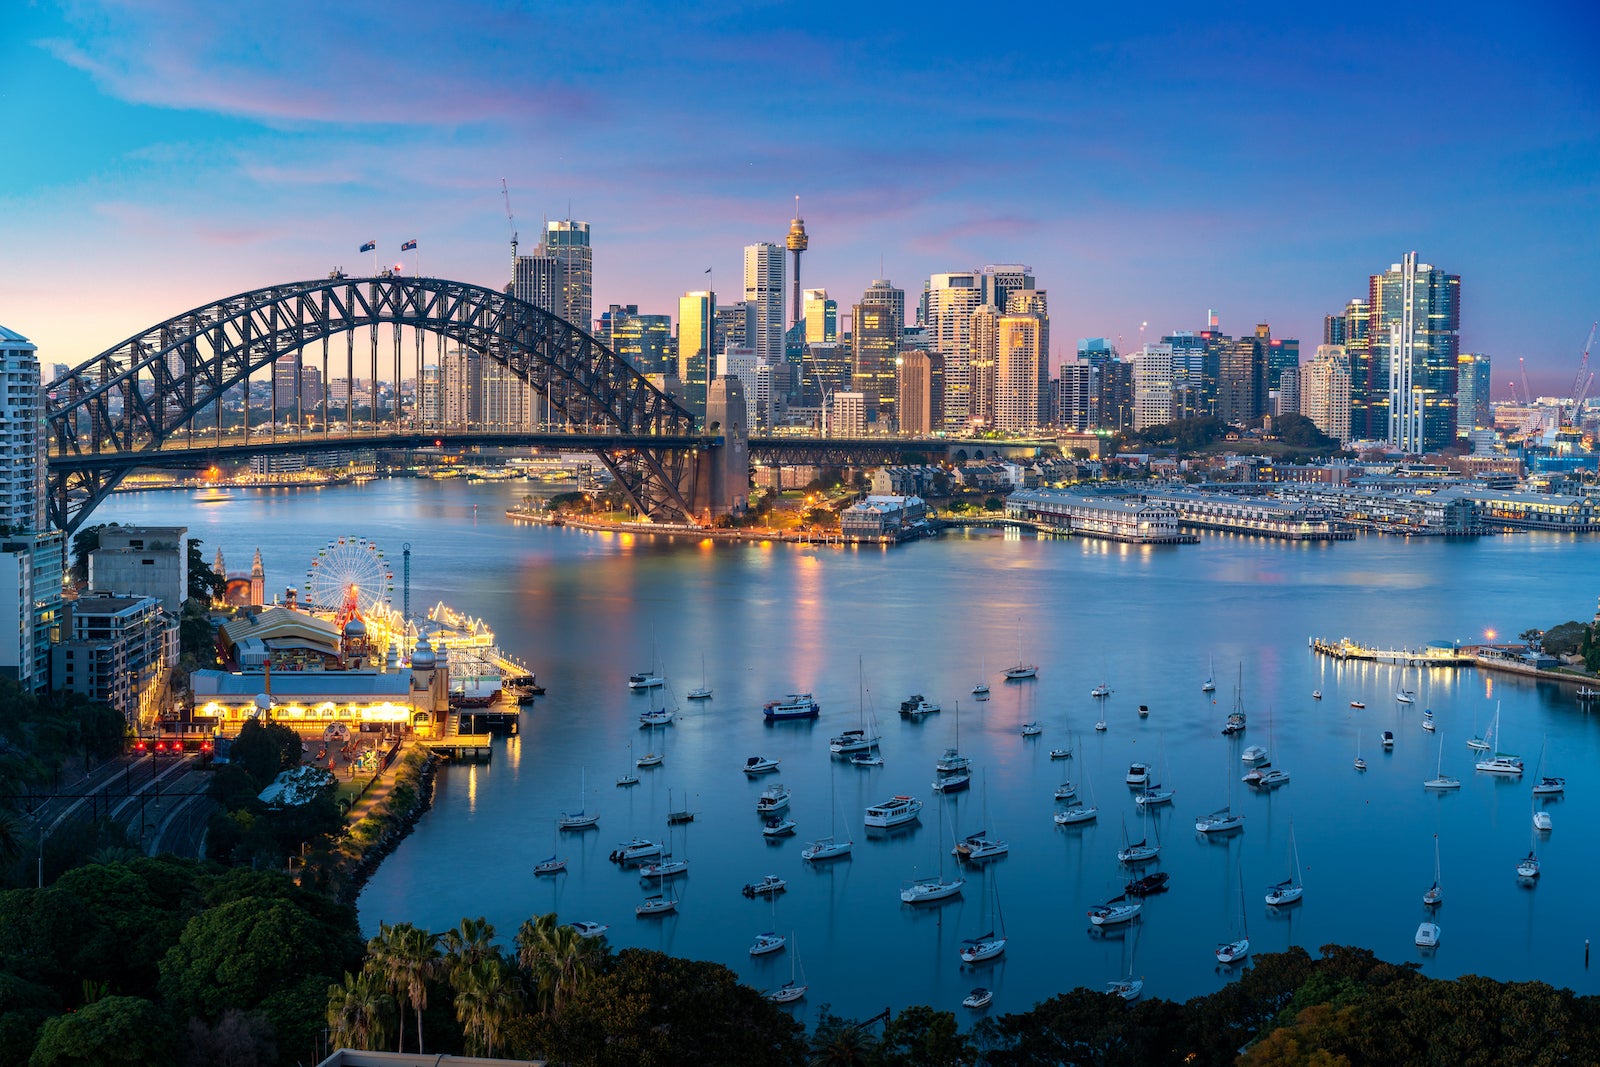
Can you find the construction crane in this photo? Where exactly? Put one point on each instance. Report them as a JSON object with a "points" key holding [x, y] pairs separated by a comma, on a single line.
{"points": [[511, 221], [1527, 394], [1581, 383]]}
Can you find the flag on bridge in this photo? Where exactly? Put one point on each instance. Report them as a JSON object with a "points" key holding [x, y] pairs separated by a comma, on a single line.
{"points": [[409, 246], [370, 246]]}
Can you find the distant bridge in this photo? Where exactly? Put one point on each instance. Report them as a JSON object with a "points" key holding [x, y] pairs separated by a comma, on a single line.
{"points": [[157, 399]]}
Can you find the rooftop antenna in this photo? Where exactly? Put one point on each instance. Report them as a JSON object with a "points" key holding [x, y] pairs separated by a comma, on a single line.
{"points": [[511, 223]]}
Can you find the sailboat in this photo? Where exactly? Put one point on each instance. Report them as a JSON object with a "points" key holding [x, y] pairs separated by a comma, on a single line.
{"points": [[666, 865], [1404, 695], [663, 715], [975, 848], [953, 761], [1223, 819], [927, 890], [1360, 763], [1440, 780], [1528, 867], [830, 847], [859, 739], [1236, 717], [701, 691], [554, 865], [651, 758], [1140, 851], [1435, 894], [580, 819], [981, 690], [1079, 813], [1234, 951], [1476, 741], [1130, 987], [794, 988], [627, 777], [1208, 686], [648, 679], [1546, 786], [1500, 762], [1290, 889], [1022, 669], [987, 946], [770, 940]]}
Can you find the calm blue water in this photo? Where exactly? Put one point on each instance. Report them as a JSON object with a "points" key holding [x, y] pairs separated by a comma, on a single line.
{"points": [[585, 610]]}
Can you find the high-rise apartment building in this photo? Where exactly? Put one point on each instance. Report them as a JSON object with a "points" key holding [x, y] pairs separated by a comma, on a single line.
{"points": [[1325, 392], [914, 392], [1368, 389], [874, 346], [1074, 406], [1241, 380], [1288, 396], [763, 287], [1415, 334], [882, 291], [1473, 410], [1192, 395], [821, 317], [1152, 386], [1035, 303], [983, 354], [845, 415], [697, 314], [567, 242], [32, 555], [538, 280], [949, 301], [1020, 355], [22, 441]]}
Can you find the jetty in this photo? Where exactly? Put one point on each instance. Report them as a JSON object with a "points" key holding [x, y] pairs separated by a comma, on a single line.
{"points": [[1433, 654]]}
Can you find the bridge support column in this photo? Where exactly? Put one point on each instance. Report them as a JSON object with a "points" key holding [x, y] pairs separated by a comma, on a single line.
{"points": [[722, 486]]}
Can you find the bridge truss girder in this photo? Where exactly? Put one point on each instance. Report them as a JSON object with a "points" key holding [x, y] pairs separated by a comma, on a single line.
{"points": [[148, 390]]}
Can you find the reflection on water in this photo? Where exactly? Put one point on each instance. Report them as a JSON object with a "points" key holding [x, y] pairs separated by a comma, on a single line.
{"points": [[585, 610]]}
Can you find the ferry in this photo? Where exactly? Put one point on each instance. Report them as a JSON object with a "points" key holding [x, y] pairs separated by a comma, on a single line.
{"points": [[894, 812], [794, 706]]}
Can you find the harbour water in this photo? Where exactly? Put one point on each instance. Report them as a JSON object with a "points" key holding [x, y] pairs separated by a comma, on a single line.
{"points": [[585, 610]]}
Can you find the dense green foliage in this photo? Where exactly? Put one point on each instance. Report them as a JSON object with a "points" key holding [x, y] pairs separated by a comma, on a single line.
{"points": [[40, 734], [1301, 432], [1185, 435]]}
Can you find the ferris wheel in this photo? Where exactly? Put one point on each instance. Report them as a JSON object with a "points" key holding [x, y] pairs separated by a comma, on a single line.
{"points": [[349, 576]]}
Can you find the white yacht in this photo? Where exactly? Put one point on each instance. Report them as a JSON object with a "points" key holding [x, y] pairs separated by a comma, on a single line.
{"points": [[760, 765], [1253, 754], [1219, 821], [773, 799], [1152, 795], [637, 849], [768, 942], [1427, 935], [895, 811], [928, 890], [793, 706], [1138, 774], [975, 848], [585, 928], [1031, 729], [646, 680], [1115, 911]]}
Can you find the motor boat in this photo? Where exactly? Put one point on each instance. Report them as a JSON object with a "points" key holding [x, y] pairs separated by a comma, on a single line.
{"points": [[585, 928], [1253, 754], [1427, 935], [765, 887], [953, 783], [776, 827], [793, 706], [893, 812], [978, 998], [760, 765], [1155, 882], [1549, 787], [1138, 774], [773, 800], [635, 850]]}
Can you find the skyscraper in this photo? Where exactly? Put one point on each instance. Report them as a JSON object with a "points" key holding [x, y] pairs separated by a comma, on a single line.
{"points": [[1074, 405], [1152, 386], [1473, 410], [1325, 392], [950, 300], [538, 280], [1241, 380], [567, 242], [763, 287], [1415, 322], [914, 392], [1001, 280], [1035, 302], [32, 556], [1369, 395], [874, 345], [1019, 357], [821, 317], [697, 313], [983, 355], [882, 291], [645, 341]]}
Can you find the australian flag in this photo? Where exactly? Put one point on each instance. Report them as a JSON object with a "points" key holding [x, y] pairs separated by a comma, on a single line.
{"points": [[409, 246], [370, 246]]}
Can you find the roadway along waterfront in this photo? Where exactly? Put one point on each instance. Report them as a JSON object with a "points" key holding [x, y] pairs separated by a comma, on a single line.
{"points": [[585, 609]]}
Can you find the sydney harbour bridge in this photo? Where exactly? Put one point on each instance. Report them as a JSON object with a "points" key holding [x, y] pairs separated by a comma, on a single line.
{"points": [[157, 399]]}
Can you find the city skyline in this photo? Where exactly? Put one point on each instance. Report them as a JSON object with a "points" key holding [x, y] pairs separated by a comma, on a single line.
{"points": [[1172, 165]]}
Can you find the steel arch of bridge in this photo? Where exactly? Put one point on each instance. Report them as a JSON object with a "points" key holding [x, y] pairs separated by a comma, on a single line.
{"points": [[146, 391]]}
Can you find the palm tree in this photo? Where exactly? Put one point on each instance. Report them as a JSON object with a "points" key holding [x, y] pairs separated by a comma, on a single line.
{"points": [[467, 945], [557, 959], [486, 999], [405, 957], [359, 1011]]}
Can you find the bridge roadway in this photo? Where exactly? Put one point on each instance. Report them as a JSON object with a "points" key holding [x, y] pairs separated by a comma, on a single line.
{"points": [[204, 449]]}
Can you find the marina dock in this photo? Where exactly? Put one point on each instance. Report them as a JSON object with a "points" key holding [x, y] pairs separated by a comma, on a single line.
{"points": [[1434, 654]]}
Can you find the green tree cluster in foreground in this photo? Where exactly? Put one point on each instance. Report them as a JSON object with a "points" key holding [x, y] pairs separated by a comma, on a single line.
{"points": [[172, 963]]}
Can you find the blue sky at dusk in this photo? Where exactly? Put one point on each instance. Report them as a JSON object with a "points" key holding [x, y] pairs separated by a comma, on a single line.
{"points": [[1148, 161]]}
